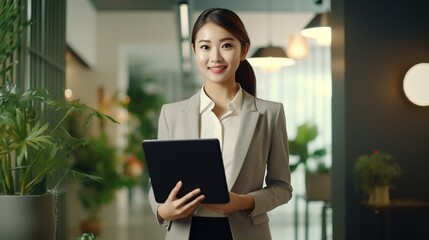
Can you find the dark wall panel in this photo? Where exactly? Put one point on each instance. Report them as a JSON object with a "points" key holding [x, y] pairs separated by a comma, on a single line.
{"points": [[377, 42]]}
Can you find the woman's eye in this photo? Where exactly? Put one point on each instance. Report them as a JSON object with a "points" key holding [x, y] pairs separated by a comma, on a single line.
{"points": [[204, 47], [227, 45]]}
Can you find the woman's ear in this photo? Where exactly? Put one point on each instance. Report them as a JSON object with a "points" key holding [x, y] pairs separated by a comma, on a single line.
{"points": [[244, 51]]}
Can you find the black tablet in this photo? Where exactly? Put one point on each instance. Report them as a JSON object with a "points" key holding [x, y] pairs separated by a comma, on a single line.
{"points": [[197, 163]]}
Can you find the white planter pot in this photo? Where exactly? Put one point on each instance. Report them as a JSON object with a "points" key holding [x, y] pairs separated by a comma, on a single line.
{"points": [[27, 217]]}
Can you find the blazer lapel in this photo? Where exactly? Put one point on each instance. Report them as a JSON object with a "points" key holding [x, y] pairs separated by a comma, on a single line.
{"points": [[249, 120], [188, 123]]}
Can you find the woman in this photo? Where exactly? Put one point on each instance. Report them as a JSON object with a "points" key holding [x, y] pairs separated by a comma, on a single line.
{"points": [[252, 133]]}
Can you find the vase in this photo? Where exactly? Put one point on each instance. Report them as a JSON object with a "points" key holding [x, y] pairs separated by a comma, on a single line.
{"points": [[380, 195]]}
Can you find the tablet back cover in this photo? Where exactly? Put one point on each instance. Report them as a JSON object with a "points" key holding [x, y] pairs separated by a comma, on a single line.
{"points": [[197, 163]]}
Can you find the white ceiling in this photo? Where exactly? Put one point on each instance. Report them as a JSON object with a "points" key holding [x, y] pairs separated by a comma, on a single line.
{"points": [[237, 5]]}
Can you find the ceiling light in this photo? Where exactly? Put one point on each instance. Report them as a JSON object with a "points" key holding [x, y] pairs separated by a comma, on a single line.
{"points": [[297, 46], [184, 20], [319, 29], [270, 58]]}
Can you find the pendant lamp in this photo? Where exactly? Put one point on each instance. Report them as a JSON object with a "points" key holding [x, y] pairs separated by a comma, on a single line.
{"points": [[270, 58], [319, 29], [297, 46]]}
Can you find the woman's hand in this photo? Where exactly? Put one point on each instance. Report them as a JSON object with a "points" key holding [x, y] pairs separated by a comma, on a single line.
{"points": [[237, 202], [174, 208]]}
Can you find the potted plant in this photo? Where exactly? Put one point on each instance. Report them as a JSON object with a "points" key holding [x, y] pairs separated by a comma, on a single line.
{"points": [[99, 158], [373, 173], [299, 146], [87, 236], [32, 149], [317, 172]]}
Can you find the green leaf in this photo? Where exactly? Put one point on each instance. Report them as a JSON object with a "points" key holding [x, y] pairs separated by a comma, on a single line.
{"points": [[319, 153], [307, 132], [299, 146]]}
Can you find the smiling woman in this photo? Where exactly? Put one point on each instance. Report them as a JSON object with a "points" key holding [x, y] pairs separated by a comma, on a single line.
{"points": [[159, 53], [218, 54], [226, 108]]}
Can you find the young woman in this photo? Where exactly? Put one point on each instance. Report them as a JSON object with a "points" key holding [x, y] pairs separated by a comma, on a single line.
{"points": [[252, 133]]}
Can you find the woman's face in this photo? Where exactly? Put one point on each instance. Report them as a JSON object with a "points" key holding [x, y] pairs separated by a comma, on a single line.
{"points": [[217, 53]]}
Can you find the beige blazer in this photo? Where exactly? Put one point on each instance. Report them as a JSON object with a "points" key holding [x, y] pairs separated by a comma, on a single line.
{"points": [[261, 153]]}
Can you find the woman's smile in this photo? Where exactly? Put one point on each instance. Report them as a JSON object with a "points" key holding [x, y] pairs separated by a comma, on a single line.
{"points": [[217, 69]]}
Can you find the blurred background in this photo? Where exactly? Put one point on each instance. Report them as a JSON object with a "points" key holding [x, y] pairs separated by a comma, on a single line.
{"points": [[129, 57], [343, 96]]}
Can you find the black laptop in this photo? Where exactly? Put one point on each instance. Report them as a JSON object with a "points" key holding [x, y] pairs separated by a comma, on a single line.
{"points": [[197, 163]]}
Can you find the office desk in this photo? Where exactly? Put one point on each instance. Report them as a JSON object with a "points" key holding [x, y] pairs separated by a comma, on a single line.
{"points": [[409, 205]]}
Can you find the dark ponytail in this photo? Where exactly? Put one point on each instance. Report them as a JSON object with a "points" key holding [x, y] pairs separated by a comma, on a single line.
{"points": [[230, 21], [245, 76]]}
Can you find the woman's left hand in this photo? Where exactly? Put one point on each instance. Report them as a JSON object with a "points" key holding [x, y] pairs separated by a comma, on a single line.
{"points": [[236, 202]]}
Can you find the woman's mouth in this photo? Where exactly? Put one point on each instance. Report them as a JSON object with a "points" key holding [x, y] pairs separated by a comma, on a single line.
{"points": [[217, 69]]}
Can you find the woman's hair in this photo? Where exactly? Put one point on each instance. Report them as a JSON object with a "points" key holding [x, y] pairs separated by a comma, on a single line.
{"points": [[230, 21]]}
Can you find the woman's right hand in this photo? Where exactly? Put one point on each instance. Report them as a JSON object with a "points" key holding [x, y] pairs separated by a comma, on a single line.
{"points": [[174, 208]]}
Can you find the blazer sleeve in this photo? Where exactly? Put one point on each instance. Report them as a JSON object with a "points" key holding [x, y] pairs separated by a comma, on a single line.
{"points": [[278, 189], [162, 133]]}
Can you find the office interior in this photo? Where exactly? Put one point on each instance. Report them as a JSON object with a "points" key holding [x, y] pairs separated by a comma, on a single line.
{"points": [[359, 77]]}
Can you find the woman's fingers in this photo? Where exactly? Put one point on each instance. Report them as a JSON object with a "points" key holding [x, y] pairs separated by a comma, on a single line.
{"points": [[226, 208], [190, 207], [174, 208], [175, 191], [173, 194], [196, 202], [189, 196]]}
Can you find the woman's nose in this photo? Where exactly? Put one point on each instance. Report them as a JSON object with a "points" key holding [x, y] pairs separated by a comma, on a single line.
{"points": [[215, 56]]}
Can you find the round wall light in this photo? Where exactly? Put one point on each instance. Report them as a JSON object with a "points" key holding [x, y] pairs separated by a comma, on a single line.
{"points": [[416, 84]]}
